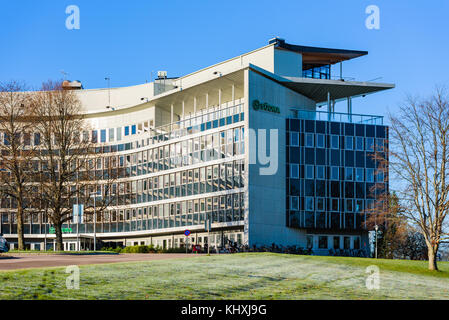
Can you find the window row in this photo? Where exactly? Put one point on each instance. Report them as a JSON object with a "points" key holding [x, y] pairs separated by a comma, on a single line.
{"points": [[319, 140], [331, 204], [336, 173], [226, 208]]}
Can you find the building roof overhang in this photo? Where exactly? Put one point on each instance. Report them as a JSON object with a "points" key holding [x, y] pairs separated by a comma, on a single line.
{"points": [[318, 89], [316, 56]]}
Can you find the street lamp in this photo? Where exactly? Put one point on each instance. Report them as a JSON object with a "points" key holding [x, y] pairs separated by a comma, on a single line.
{"points": [[109, 91], [376, 227], [95, 220]]}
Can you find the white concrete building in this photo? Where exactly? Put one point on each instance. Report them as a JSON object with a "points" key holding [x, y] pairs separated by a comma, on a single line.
{"points": [[188, 151]]}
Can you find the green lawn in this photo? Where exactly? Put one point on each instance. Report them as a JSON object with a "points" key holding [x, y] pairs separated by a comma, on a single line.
{"points": [[238, 276]]}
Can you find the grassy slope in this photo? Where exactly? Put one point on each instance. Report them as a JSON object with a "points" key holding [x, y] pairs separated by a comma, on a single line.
{"points": [[240, 276]]}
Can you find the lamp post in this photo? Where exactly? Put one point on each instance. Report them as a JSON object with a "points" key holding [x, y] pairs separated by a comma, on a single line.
{"points": [[95, 220], [109, 91], [376, 227]]}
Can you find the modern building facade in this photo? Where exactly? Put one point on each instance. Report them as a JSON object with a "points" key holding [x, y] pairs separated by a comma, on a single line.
{"points": [[243, 143]]}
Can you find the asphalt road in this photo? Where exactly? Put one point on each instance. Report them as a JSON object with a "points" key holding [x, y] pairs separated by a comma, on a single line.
{"points": [[26, 261]]}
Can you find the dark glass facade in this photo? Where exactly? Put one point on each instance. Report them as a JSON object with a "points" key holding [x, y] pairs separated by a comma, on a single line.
{"points": [[331, 170]]}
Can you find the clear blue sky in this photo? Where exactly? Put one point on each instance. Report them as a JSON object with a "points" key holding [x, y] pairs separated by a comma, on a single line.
{"points": [[127, 40]]}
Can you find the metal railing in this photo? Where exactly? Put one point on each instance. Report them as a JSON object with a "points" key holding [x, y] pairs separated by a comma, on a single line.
{"points": [[337, 117]]}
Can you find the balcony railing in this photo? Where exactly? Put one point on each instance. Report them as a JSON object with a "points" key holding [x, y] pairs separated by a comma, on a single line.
{"points": [[337, 117], [197, 123]]}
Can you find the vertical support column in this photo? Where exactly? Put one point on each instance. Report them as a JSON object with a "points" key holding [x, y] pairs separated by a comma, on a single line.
{"points": [[341, 70], [219, 98], [350, 109], [329, 110], [194, 105], [333, 109], [171, 113], [233, 94], [207, 101], [183, 109]]}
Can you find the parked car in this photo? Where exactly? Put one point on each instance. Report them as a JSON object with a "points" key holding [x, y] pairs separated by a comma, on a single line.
{"points": [[4, 245]]}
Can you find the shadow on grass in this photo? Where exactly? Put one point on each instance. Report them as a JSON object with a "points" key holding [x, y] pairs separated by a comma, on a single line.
{"points": [[2, 257]]}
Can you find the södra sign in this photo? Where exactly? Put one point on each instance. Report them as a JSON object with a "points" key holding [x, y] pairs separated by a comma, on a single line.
{"points": [[265, 107]]}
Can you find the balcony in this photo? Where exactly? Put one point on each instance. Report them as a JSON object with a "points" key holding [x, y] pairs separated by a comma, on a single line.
{"points": [[198, 123]]}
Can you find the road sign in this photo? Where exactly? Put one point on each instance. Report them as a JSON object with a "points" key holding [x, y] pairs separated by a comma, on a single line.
{"points": [[187, 233], [78, 212], [207, 225]]}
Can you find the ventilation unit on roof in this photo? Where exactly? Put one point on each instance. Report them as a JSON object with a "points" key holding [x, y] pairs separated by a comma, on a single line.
{"points": [[162, 74]]}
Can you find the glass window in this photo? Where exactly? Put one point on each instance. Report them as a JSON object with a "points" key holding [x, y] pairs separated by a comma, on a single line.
{"points": [[359, 174], [320, 173], [336, 242], [111, 134], [335, 205], [294, 139], [309, 172], [349, 174], [380, 176], [369, 144], [37, 139], [335, 173], [380, 145], [103, 135], [294, 203], [369, 175], [294, 171], [349, 205], [309, 140], [356, 243], [359, 143], [320, 141], [127, 131], [309, 241], [322, 242], [347, 243], [133, 129], [335, 142], [94, 136], [358, 205], [320, 204], [119, 134], [349, 143], [309, 203]]}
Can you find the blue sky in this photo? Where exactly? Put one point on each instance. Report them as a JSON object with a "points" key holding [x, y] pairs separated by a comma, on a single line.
{"points": [[127, 40]]}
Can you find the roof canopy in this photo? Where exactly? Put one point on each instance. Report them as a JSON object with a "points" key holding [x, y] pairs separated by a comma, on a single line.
{"points": [[317, 89], [316, 57]]}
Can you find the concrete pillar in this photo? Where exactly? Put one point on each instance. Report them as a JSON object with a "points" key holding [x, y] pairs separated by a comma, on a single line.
{"points": [[219, 97], [233, 94], [350, 109], [194, 106], [183, 109], [171, 113]]}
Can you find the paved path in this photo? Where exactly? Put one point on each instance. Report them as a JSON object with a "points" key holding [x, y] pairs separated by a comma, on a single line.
{"points": [[25, 261]]}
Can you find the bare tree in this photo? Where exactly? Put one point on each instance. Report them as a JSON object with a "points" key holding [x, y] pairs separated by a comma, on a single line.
{"points": [[16, 150], [68, 159], [419, 150], [62, 153], [393, 227]]}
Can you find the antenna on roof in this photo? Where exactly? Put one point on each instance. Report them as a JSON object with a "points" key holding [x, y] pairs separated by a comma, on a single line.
{"points": [[378, 78], [64, 74]]}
